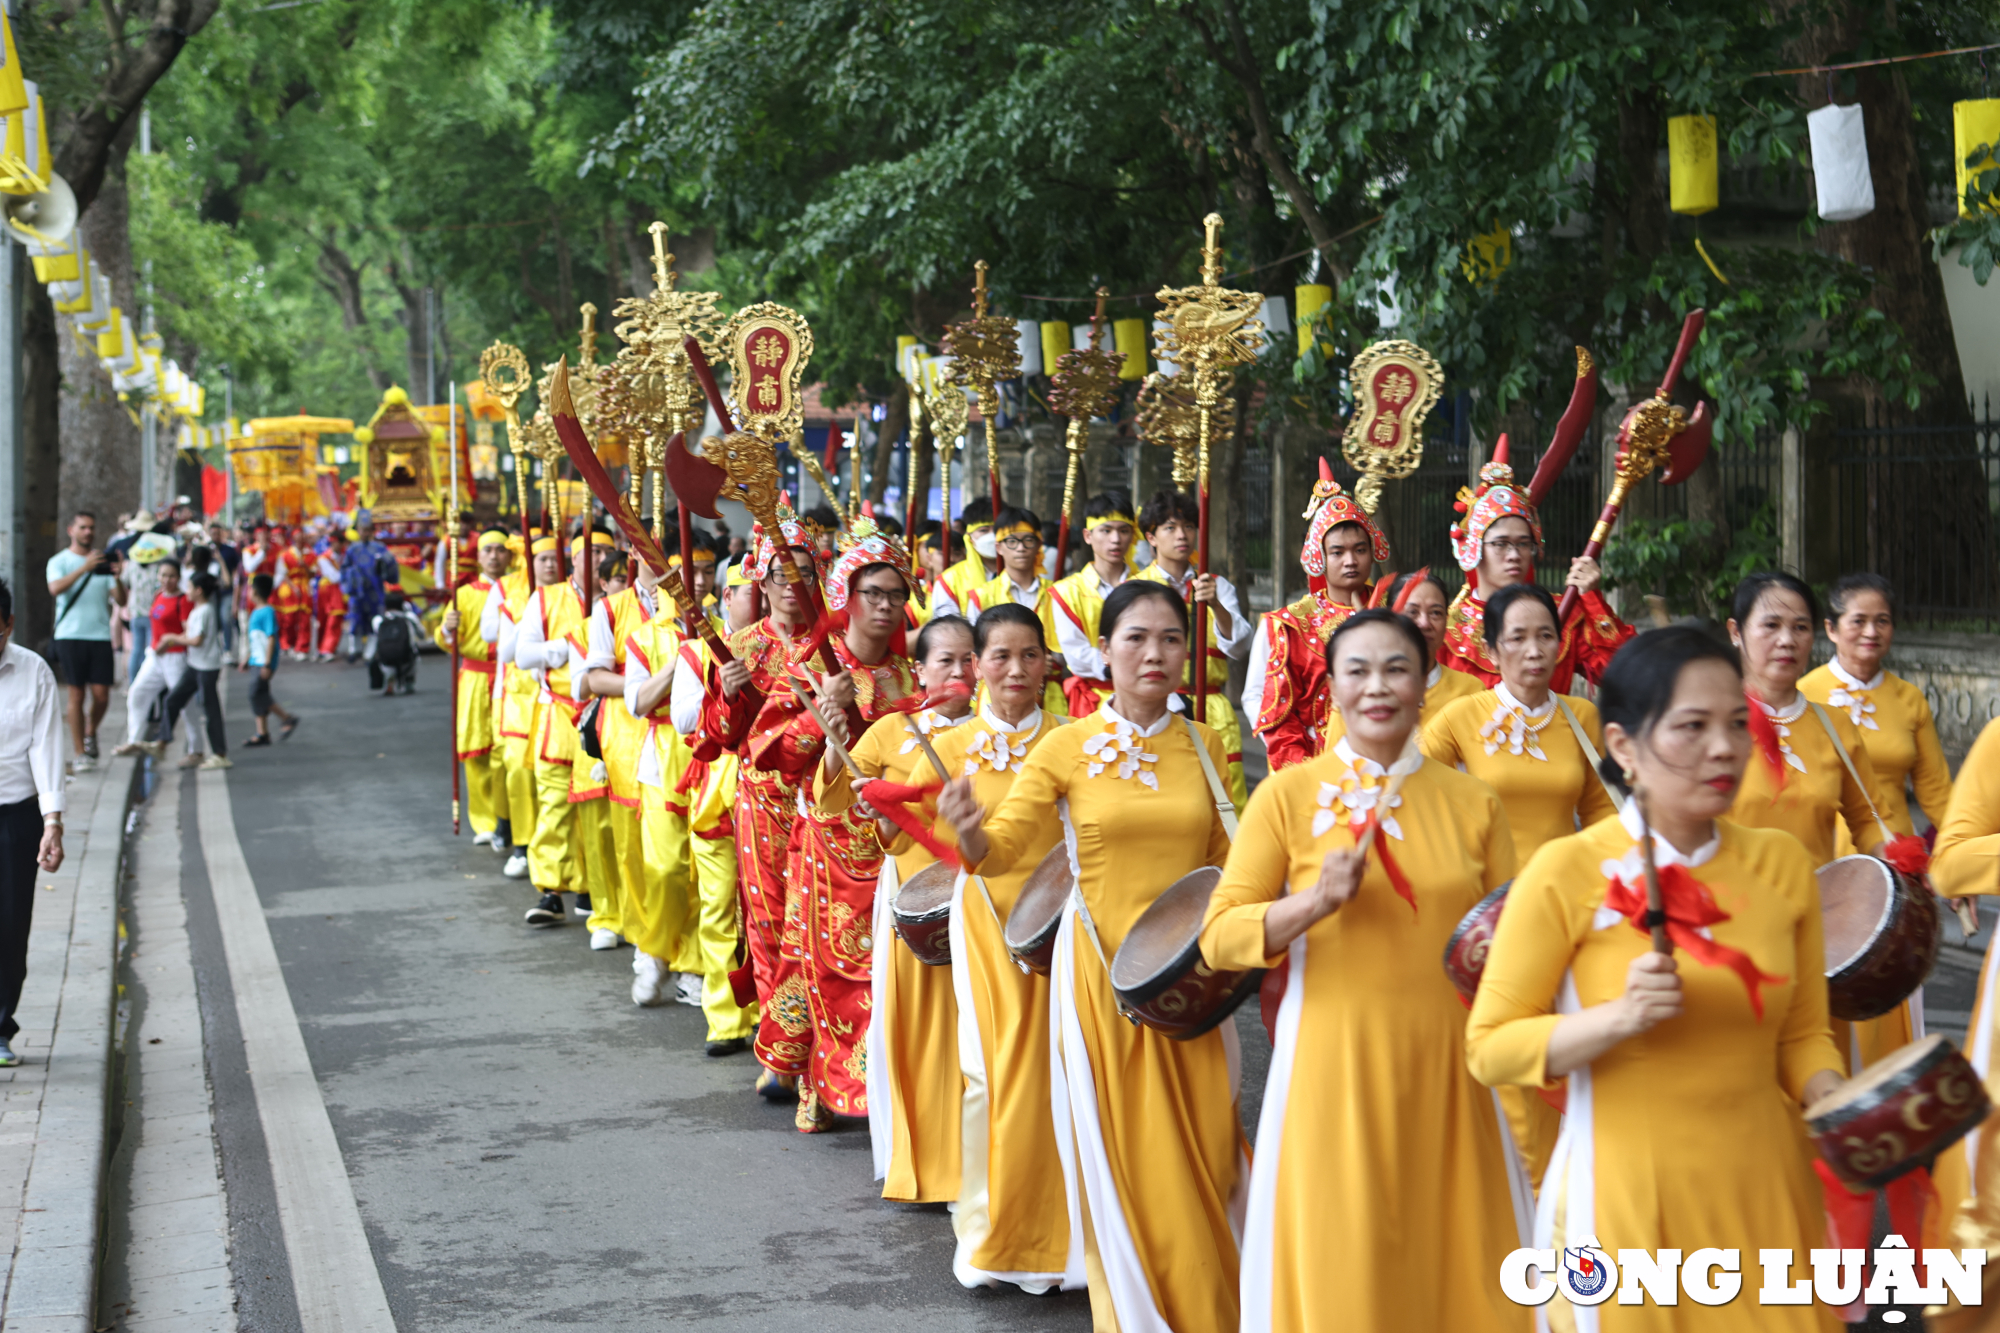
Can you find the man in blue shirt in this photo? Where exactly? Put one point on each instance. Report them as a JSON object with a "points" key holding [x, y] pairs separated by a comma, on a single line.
{"points": [[84, 586], [363, 571]]}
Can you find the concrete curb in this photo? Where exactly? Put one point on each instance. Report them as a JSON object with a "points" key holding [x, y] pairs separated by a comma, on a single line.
{"points": [[53, 1286]]}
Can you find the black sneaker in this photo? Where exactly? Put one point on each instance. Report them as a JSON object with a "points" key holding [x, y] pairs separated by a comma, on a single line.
{"points": [[583, 904], [728, 1046], [256, 741], [547, 911], [90, 746]]}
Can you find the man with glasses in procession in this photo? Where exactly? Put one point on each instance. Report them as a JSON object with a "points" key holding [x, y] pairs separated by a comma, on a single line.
{"points": [[1496, 545]]}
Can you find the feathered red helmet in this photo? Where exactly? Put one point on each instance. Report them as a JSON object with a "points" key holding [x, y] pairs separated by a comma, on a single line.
{"points": [[763, 550], [1330, 507], [863, 544], [1497, 498]]}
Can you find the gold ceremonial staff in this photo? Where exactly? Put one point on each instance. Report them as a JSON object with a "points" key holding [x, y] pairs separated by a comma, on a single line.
{"points": [[985, 350], [1210, 330], [1082, 384], [495, 359]]}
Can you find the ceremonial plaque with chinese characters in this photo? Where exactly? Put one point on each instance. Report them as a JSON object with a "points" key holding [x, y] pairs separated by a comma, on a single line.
{"points": [[768, 347], [1396, 384]]}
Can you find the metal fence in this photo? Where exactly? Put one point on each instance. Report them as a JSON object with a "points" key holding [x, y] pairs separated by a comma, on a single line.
{"points": [[1915, 502]]}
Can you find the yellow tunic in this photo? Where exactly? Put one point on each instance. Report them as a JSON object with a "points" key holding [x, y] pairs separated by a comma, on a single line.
{"points": [[1216, 709], [1373, 1132], [475, 670], [914, 1087], [1810, 807], [1546, 798], [661, 916], [1966, 862], [1894, 720], [1445, 688], [1814, 799], [1687, 1136], [1013, 1218], [1158, 1148]]}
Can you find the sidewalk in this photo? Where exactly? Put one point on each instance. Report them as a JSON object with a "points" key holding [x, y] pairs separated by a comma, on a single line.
{"points": [[52, 1130]]}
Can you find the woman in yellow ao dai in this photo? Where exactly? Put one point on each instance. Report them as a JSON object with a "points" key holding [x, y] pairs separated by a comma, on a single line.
{"points": [[1521, 739], [1150, 1123], [1966, 862], [1797, 780], [1891, 714], [1424, 601], [913, 1082], [1373, 1131], [1685, 1071], [1015, 1221]]}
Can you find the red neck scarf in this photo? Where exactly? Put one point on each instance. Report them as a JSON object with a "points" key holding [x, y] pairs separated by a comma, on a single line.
{"points": [[1690, 908], [1764, 734]]}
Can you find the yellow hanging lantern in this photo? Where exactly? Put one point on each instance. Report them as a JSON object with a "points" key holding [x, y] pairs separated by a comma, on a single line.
{"points": [[13, 87], [1692, 164], [1308, 301], [1973, 124], [1129, 336], [1055, 341], [1488, 256]]}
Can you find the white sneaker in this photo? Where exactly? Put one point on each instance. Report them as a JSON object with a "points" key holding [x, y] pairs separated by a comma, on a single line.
{"points": [[648, 980], [83, 763], [516, 867], [601, 939], [687, 989], [482, 840]]}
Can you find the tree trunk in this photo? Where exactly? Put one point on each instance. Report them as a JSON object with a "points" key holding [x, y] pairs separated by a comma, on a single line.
{"points": [[341, 277], [100, 441], [892, 427], [41, 456]]}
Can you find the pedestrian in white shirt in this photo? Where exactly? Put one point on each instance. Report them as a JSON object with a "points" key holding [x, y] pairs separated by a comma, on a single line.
{"points": [[31, 806]]}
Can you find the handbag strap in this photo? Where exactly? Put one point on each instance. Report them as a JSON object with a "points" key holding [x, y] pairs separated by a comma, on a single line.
{"points": [[1589, 753], [1224, 807], [74, 597], [1840, 748]]}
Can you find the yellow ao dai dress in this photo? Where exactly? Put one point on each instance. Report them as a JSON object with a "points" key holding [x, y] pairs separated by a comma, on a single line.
{"points": [[1375, 1145], [1149, 1125]]}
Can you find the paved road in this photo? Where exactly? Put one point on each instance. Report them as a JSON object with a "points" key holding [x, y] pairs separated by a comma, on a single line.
{"points": [[526, 1147]]}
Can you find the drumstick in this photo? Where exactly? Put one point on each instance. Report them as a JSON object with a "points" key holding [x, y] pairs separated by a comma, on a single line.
{"points": [[1968, 915], [832, 741], [925, 742], [1656, 912]]}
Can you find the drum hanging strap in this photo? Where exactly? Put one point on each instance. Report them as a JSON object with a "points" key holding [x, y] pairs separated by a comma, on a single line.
{"points": [[1076, 885], [1840, 748], [1589, 753], [1224, 807], [987, 894]]}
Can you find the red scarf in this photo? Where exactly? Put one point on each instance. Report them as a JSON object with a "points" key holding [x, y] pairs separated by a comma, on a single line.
{"points": [[1764, 733], [892, 800], [1397, 879], [1690, 907]]}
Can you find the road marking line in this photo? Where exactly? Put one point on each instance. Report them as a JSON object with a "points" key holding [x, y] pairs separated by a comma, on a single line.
{"points": [[333, 1270]]}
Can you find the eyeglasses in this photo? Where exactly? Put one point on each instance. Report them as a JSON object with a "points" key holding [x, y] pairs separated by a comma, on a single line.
{"points": [[1512, 545], [884, 596], [1022, 542]]}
